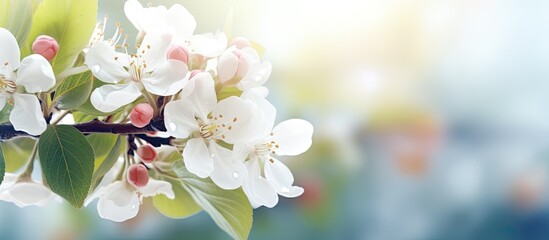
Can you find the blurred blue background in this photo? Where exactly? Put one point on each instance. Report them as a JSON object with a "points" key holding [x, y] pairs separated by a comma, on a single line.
{"points": [[430, 122]]}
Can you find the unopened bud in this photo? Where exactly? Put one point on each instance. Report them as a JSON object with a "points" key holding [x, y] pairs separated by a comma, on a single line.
{"points": [[141, 115], [147, 153], [180, 53], [138, 175], [240, 43], [45, 46], [232, 67]]}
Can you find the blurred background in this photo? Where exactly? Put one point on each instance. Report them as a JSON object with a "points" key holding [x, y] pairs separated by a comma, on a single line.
{"points": [[430, 122]]}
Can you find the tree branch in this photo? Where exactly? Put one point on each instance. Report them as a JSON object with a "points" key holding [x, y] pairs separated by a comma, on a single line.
{"points": [[7, 131]]}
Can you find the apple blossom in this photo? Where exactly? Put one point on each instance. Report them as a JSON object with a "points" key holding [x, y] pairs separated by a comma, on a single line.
{"points": [[25, 192], [45, 46], [147, 153], [242, 68], [34, 73], [228, 120], [141, 115]]}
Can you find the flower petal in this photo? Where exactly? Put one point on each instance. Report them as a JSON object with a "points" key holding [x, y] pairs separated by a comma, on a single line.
{"points": [[118, 203], [104, 64], [133, 10], [257, 75], [36, 74], [267, 109], [154, 48], [155, 187], [236, 115], [209, 45], [181, 20], [27, 114], [281, 178], [151, 20], [179, 118], [294, 137], [167, 79], [10, 50], [30, 194], [227, 65], [259, 191], [108, 98], [197, 158], [203, 98], [228, 173]]}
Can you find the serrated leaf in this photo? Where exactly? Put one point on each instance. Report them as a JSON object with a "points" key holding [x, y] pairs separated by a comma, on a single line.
{"points": [[2, 165], [107, 148], [70, 22], [67, 162], [74, 91], [230, 209], [16, 16], [17, 152]]}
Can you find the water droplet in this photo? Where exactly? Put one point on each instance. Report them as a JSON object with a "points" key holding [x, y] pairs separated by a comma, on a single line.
{"points": [[212, 156], [96, 68], [285, 190], [134, 206], [172, 126], [236, 175]]}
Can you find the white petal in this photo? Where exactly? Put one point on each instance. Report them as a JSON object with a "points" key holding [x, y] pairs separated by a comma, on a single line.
{"points": [[36, 74], [267, 109], [108, 98], [104, 64], [167, 79], [203, 98], [189, 87], [257, 75], [151, 20], [259, 191], [281, 178], [30, 194], [227, 65], [179, 118], [241, 151], [294, 137], [237, 117], [10, 50], [118, 203], [27, 114], [228, 173], [197, 158], [155, 187], [208, 44], [181, 20], [133, 10], [154, 48]]}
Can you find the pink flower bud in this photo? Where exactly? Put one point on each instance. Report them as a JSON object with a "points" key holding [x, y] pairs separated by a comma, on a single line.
{"points": [[180, 53], [240, 43], [147, 153], [141, 115], [138, 175], [45, 46], [232, 66], [243, 64]]}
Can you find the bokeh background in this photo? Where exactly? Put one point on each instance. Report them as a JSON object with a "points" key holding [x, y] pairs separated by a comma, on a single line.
{"points": [[430, 122]]}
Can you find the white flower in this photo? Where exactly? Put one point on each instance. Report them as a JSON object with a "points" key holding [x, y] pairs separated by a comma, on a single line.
{"points": [[289, 138], [128, 74], [230, 120], [120, 200], [99, 35], [242, 67], [34, 73], [178, 20], [25, 193]]}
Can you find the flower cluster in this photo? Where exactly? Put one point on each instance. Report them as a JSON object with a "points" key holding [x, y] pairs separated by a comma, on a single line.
{"points": [[202, 94]]}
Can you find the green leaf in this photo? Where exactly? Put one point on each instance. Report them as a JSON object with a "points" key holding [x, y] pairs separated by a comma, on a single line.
{"points": [[5, 113], [183, 205], [70, 22], [80, 117], [67, 162], [230, 209], [16, 16], [17, 152], [74, 91], [2, 165], [107, 148]]}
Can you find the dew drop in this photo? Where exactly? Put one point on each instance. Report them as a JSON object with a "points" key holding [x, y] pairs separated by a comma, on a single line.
{"points": [[96, 68], [134, 206], [285, 189], [212, 156], [172, 126], [236, 175]]}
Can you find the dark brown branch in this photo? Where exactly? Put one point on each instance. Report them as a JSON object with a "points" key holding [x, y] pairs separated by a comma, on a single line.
{"points": [[95, 126]]}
